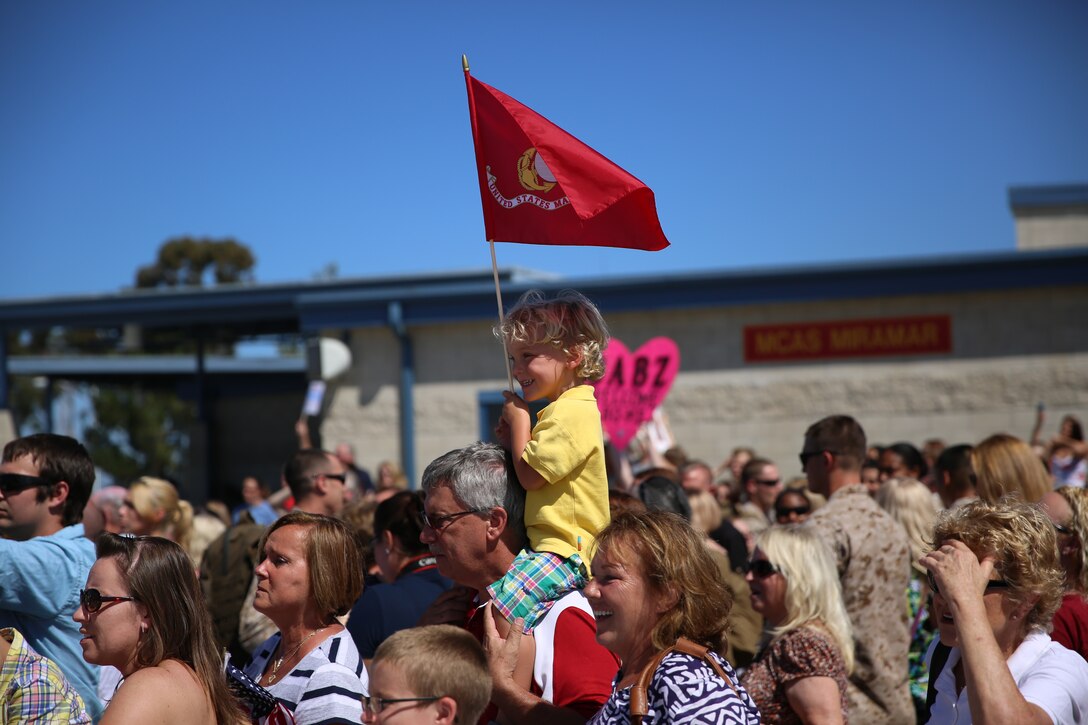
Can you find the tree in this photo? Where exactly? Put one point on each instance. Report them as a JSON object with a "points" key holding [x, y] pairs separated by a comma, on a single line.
{"points": [[188, 262]]}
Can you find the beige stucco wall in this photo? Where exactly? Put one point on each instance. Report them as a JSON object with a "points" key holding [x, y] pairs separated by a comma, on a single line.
{"points": [[1051, 231], [1011, 349]]}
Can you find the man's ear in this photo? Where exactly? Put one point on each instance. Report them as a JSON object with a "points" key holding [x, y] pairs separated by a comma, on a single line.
{"points": [[58, 495], [446, 708], [497, 521]]}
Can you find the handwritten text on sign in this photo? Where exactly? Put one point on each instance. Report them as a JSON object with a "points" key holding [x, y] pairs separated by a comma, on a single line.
{"points": [[851, 338], [634, 384]]}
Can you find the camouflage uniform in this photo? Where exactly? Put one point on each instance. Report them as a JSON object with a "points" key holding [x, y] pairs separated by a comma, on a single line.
{"points": [[873, 556]]}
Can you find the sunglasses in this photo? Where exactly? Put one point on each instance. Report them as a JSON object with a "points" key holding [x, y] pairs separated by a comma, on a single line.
{"points": [[15, 482], [784, 513], [768, 481], [92, 599], [1064, 530], [761, 568], [991, 584], [806, 455]]}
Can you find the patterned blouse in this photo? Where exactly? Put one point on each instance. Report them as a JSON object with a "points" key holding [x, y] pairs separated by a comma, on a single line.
{"points": [[683, 691], [799, 653]]}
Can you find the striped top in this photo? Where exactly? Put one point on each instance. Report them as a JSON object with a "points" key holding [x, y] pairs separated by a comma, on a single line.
{"points": [[325, 687]]}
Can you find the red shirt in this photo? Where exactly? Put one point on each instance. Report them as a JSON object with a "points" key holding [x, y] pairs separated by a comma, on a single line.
{"points": [[572, 669], [1071, 624]]}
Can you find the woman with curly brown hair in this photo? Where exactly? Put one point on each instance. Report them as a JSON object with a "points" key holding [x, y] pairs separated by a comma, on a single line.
{"points": [[662, 608], [996, 585]]}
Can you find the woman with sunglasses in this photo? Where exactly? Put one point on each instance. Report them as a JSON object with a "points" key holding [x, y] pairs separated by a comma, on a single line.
{"points": [[143, 612], [996, 584], [800, 676], [311, 572]]}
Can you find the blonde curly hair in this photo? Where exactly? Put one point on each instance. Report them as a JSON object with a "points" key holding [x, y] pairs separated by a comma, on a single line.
{"points": [[1077, 498], [1023, 544], [570, 323]]}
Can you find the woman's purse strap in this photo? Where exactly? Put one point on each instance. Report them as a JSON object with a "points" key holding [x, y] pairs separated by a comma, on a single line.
{"points": [[639, 698]]}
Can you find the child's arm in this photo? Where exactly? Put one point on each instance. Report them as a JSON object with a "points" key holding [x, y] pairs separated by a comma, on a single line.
{"points": [[516, 414]]}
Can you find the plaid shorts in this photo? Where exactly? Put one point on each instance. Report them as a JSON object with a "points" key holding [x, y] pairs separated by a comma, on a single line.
{"points": [[535, 581]]}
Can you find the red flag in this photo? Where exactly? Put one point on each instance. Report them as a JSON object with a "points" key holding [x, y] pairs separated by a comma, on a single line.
{"points": [[540, 185]]}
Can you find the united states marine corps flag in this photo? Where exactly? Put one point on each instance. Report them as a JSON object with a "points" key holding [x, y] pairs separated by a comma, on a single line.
{"points": [[540, 185]]}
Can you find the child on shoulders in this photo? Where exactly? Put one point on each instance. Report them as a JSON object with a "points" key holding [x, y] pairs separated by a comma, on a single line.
{"points": [[556, 348]]}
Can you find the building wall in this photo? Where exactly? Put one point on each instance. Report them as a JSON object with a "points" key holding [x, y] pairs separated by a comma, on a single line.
{"points": [[1051, 231], [1011, 349]]}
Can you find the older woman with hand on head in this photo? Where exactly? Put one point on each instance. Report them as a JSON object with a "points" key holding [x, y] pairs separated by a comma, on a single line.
{"points": [[800, 676], [996, 584], [662, 608], [143, 612], [311, 572]]}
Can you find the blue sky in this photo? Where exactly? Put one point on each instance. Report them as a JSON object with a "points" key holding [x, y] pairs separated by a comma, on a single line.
{"points": [[337, 131]]}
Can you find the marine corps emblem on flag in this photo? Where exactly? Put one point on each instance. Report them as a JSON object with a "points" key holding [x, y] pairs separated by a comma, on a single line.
{"points": [[533, 175]]}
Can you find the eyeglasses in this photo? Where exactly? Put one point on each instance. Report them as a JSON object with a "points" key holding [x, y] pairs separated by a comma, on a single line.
{"points": [[92, 599], [806, 455], [440, 522], [15, 482], [991, 584], [761, 568], [768, 481], [374, 705], [784, 513]]}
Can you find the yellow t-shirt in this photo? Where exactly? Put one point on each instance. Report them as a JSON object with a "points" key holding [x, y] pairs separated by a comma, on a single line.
{"points": [[567, 449]]}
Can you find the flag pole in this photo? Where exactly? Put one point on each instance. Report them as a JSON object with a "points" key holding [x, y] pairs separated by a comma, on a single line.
{"points": [[502, 315], [487, 227]]}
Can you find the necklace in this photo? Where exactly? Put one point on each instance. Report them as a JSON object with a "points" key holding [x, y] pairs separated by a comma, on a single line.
{"points": [[271, 677]]}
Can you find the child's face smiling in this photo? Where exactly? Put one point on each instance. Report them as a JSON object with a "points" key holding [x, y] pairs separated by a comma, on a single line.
{"points": [[542, 370]]}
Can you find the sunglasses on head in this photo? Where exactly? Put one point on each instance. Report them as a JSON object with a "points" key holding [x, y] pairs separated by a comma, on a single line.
{"points": [[92, 599], [761, 568], [15, 482]]}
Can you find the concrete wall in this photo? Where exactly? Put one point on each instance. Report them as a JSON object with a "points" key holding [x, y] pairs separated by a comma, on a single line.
{"points": [[1011, 349], [1051, 231]]}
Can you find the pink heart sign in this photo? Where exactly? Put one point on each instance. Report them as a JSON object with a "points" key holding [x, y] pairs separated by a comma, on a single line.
{"points": [[634, 384]]}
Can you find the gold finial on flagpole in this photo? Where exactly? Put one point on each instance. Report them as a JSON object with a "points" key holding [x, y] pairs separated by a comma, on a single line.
{"points": [[464, 62]]}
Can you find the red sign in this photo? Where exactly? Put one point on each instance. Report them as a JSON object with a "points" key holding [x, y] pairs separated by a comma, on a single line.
{"points": [[850, 338]]}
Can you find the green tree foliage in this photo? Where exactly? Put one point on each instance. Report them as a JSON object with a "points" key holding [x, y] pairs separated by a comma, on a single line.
{"points": [[191, 262], [138, 431]]}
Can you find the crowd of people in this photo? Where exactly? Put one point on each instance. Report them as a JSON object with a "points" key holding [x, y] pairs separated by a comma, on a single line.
{"points": [[546, 579]]}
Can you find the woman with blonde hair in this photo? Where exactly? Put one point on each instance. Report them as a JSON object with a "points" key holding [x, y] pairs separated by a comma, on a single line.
{"points": [[910, 502], [153, 508], [800, 676], [1068, 510], [1005, 466], [996, 585]]}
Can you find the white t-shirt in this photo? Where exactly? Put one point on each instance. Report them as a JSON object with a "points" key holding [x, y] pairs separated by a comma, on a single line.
{"points": [[1047, 674]]}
